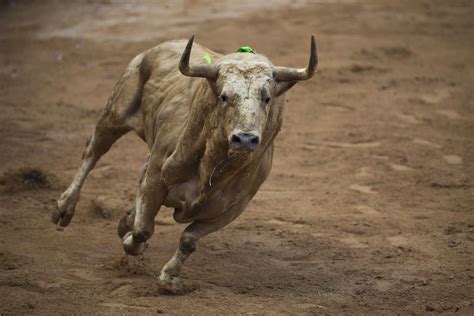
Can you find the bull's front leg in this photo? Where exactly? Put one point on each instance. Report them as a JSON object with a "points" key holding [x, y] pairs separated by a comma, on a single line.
{"points": [[169, 276], [151, 194]]}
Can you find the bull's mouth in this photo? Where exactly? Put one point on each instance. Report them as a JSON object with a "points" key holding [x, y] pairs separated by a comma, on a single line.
{"points": [[234, 152]]}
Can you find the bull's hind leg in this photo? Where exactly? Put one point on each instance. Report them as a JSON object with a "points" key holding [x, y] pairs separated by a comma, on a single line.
{"points": [[126, 222], [120, 116], [97, 145]]}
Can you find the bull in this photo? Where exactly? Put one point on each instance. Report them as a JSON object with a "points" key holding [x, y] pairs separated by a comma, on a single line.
{"points": [[210, 130]]}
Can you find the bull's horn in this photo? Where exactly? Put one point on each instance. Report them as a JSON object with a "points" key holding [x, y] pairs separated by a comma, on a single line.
{"points": [[197, 70], [297, 74]]}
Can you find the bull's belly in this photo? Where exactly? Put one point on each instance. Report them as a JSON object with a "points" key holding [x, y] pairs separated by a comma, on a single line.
{"points": [[183, 198], [179, 194]]}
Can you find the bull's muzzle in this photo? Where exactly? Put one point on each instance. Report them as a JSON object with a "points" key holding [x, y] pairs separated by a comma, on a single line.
{"points": [[244, 142]]}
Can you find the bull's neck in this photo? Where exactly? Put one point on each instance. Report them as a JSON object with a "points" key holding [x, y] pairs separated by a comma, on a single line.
{"points": [[191, 145]]}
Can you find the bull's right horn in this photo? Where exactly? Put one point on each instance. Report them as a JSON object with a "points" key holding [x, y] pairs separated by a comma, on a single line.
{"points": [[196, 70]]}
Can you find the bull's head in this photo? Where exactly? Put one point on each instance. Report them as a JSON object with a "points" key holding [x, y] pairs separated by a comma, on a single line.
{"points": [[246, 87]]}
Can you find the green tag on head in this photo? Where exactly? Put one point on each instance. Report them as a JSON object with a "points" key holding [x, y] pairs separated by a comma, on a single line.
{"points": [[245, 49], [207, 58]]}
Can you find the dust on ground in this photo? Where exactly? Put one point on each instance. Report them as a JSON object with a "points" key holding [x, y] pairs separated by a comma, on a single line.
{"points": [[369, 206]]}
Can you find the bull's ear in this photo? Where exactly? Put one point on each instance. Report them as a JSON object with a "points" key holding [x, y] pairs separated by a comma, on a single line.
{"points": [[284, 86]]}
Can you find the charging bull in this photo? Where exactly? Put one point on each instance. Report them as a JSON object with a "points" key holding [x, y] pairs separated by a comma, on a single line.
{"points": [[210, 129]]}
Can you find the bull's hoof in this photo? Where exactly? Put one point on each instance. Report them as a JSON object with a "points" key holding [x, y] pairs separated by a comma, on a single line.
{"points": [[134, 243], [171, 285], [63, 213]]}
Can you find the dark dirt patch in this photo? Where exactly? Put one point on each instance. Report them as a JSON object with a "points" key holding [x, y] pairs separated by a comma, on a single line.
{"points": [[27, 178]]}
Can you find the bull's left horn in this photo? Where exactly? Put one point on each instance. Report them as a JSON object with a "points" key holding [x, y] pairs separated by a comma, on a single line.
{"points": [[196, 70], [297, 74]]}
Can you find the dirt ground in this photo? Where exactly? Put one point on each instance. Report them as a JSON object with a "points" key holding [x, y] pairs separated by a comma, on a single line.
{"points": [[369, 206]]}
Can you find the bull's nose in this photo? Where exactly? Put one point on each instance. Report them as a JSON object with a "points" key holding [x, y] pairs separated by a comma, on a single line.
{"points": [[245, 142]]}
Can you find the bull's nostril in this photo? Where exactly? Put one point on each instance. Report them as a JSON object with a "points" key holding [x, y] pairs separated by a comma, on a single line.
{"points": [[235, 139], [244, 141]]}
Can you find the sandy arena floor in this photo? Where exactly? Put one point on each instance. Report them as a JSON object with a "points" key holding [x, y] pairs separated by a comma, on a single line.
{"points": [[368, 209]]}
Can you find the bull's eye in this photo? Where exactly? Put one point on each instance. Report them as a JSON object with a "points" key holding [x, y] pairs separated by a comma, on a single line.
{"points": [[267, 100], [223, 97]]}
